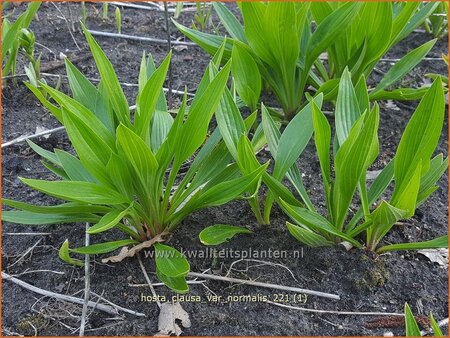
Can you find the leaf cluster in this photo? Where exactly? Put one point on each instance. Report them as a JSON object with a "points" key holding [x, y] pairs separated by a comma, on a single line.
{"points": [[127, 170], [281, 44], [17, 37], [353, 149]]}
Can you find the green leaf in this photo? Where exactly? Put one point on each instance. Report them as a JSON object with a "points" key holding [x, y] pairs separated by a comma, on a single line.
{"points": [[48, 155], [377, 188], [279, 190], [108, 221], [86, 116], [65, 208], [294, 140], [437, 243], [57, 112], [416, 20], [329, 89], [351, 163], [229, 21], [166, 151], [362, 94], [195, 127], [177, 284], [329, 30], [209, 170], [65, 256], [169, 261], [85, 93], [246, 76], [109, 79], [102, 248], [322, 139], [73, 167], [161, 125], [138, 153], [32, 218], [23, 21], [315, 222], [92, 150], [436, 329], [403, 17], [404, 66], [438, 166], [383, 219], [247, 160], [208, 42], [377, 16], [120, 174], [226, 191], [291, 147], [256, 31], [420, 138], [407, 198], [307, 236], [347, 107], [148, 99], [400, 94], [412, 329], [85, 192], [230, 123], [220, 233]]}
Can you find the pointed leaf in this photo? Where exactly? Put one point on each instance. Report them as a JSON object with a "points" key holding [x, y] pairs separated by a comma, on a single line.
{"points": [[108, 221], [169, 261], [86, 192], [102, 248], [220, 233], [308, 237], [437, 243], [109, 79], [65, 256], [177, 284], [404, 66]]}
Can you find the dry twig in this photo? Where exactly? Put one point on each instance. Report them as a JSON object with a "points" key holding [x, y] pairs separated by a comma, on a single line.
{"points": [[335, 312], [264, 285], [147, 278], [110, 309], [140, 38], [87, 284]]}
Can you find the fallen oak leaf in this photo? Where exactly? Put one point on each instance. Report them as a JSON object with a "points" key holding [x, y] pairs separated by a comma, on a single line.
{"points": [[439, 256], [168, 315]]}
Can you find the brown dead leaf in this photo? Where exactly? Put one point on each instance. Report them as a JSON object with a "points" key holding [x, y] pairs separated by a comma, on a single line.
{"points": [[439, 256], [168, 315], [125, 252]]}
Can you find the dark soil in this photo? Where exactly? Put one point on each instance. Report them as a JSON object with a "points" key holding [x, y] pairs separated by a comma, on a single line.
{"points": [[364, 281]]}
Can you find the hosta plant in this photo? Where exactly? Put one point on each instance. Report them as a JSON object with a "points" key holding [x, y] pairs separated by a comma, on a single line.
{"points": [[414, 172], [16, 37], [126, 174], [286, 147], [378, 27], [437, 23], [282, 43], [276, 39]]}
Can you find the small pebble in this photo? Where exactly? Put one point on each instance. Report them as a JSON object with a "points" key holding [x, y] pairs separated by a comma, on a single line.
{"points": [[388, 334]]}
